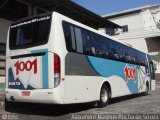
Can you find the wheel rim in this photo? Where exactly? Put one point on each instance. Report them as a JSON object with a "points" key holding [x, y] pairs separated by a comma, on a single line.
{"points": [[104, 95]]}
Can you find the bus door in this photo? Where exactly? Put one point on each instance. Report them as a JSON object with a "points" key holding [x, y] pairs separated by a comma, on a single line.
{"points": [[152, 75]]}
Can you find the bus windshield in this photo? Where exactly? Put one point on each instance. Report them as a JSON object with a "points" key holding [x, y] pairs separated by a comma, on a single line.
{"points": [[30, 32]]}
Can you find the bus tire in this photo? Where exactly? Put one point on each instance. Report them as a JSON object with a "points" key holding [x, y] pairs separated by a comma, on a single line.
{"points": [[7, 105], [11, 105], [104, 96], [146, 90]]}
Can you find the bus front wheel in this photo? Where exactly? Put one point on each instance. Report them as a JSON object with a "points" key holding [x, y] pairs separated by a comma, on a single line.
{"points": [[104, 96], [146, 90]]}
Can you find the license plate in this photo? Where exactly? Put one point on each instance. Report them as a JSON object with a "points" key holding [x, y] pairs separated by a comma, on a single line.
{"points": [[26, 93]]}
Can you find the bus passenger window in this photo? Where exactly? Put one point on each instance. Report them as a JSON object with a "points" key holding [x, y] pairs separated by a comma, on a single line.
{"points": [[73, 38], [93, 50], [99, 53], [79, 40]]}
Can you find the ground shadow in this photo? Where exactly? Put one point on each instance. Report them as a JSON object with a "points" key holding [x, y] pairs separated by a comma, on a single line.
{"points": [[124, 98], [58, 110], [47, 109]]}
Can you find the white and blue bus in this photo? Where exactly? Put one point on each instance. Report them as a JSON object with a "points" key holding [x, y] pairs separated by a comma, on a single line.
{"points": [[53, 59]]}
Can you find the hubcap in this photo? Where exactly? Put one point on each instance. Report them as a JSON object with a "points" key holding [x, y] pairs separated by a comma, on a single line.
{"points": [[104, 95]]}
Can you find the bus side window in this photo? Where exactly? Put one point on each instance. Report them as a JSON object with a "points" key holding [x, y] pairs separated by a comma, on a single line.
{"points": [[147, 70], [73, 38], [152, 71], [79, 43], [69, 37]]}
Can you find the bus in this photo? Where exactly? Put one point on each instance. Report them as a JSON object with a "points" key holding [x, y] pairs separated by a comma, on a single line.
{"points": [[53, 59]]}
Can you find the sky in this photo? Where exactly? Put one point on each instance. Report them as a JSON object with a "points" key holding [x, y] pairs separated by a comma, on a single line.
{"points": [[103, 7]]}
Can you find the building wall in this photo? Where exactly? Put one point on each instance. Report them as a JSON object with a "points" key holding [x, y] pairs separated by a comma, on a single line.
{"points": [[129, 20], [141, 25], [148, 20], [2, 66], [4, 25], [138, 43], [135, 29]]}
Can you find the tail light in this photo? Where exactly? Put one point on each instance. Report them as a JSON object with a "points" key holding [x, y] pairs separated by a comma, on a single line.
{"points": [[57, 70]]}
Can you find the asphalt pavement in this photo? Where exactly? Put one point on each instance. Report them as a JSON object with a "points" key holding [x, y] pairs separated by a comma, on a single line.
{"points": [[128, 107]]}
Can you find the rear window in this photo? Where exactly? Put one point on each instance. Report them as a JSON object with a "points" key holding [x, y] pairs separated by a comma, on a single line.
{"points": [[29, 33]]}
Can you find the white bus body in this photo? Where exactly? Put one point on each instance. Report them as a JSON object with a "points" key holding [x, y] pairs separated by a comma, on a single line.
{"points": [[44, 70]]}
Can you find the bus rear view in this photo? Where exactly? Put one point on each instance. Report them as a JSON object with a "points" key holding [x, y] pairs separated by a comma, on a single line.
{"points": [[55, 59], [29, 77]]}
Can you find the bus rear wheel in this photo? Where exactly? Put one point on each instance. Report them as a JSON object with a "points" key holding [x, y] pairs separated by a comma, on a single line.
{"points": [[8, 105], [104, 97]]}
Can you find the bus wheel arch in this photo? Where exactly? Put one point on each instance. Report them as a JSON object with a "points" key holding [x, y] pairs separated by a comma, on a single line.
{"points": [[105, 95]]}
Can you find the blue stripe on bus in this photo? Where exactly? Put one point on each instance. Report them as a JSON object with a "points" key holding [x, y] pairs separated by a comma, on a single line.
{"points": [[44, 67], [107, 68]]}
